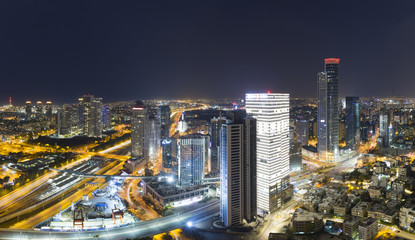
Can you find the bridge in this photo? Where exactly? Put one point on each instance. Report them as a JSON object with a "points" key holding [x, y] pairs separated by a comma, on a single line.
{"points": [[87, 175]]}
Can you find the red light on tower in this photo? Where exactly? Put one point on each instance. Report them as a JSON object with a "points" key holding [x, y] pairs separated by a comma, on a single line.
{"points": [[268, 91], [332, 60]]}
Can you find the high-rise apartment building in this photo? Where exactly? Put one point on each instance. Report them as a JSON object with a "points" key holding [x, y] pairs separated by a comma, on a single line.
{"points": [[238, 201], [48, 110], [140, 132], [90, 115], [352, 122], [106, 117], [67, 120], [163, 113], [193, 151], [271, 110], [39, 108], [328, 111]]}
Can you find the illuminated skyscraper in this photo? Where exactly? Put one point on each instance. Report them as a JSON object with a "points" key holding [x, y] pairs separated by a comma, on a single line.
{"points": [[140, 132], [192, 154], [238, 184], [163, 113], [39, 108], [215, 127], [302, 131], [90, 115], [352, 122], [106, 117], [328, 111], [271, 110]]}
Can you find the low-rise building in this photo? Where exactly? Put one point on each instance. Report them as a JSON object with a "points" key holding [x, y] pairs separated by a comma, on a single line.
{"points": [[166, 194], [305, 222], [368, 229], [340, 208], [360, 210], [382, 212], [407, 217], [351, 227], [375, 191]]}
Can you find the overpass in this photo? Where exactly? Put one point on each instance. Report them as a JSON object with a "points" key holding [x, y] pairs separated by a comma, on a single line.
{"points": [[87, 175], [135, 230]]}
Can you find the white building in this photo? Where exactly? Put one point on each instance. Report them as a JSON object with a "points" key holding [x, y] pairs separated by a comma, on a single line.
{"points": [[272, 113]]}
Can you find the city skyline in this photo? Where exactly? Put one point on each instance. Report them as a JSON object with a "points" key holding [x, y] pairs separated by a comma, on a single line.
{"points": [[122, 51]]}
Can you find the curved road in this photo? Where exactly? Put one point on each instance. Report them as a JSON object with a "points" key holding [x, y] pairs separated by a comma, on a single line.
{"points": [[141, 229]]}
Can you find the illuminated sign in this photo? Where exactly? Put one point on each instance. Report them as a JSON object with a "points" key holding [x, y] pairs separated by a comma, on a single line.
{"points": [[332, 60]]}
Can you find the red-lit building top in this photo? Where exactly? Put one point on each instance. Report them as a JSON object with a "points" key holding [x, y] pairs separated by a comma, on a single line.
{"points": [[332, 60]]}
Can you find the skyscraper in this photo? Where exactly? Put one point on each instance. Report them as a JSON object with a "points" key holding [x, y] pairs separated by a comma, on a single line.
{"points": [[154, 138], [169, 151], [140, 132], [90, 115], [28, 110], [192, 155], [238, 183], [328, 111], [39, 108], [106, 117], [352, 122], [271, 110], [163, 113], [48, 109], [302, 131], [384, 128]]}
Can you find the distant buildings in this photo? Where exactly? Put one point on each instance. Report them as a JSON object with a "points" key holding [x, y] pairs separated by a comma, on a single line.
{"points": [[238, 201], [154, 138], [271, 110], [140, 132], [90, 115], [352, 122], [28, 109], [193, 152], [328, 111]]}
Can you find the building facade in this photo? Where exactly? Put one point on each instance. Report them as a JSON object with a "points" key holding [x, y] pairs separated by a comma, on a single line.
{"points": [[163, 113], [271, 110], [90, 115]]}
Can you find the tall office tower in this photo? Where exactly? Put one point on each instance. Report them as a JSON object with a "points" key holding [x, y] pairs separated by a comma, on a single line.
{"points": [[271, 110], [215, 127], [139, 132], [106, 117], [39, 108], [302, 131], [60, 118], [169, 152], [384, 128], [48, 109], [28, 109], [238, 183], [154, 138], [352, 122], [163, 113], [192, 155], [328, 111], [90, 115]]}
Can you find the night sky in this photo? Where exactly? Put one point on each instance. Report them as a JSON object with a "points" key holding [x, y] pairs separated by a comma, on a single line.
{"points": [[125, 50]]}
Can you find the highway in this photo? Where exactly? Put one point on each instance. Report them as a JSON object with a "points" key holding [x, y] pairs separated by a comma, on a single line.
{"points": [[140, 229]]}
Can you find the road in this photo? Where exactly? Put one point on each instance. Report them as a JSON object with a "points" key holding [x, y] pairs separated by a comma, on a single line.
{"points": [[140, 229], [64, 203]]}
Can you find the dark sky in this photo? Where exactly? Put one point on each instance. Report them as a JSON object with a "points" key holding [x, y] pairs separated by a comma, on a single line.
{"points": [[124, 50]]}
